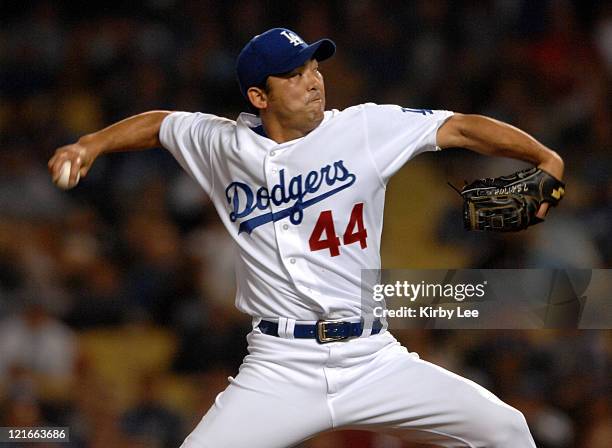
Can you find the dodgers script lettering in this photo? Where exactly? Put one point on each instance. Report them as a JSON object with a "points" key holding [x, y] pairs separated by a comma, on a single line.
{"points": [[299, 191]]}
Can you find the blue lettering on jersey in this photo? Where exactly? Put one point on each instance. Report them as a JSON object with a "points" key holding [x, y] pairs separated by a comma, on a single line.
{"points": [[418, 111], [244, 200]]}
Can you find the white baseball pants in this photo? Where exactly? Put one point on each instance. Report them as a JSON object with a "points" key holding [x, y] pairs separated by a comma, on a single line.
{"points": [[288, 390]]}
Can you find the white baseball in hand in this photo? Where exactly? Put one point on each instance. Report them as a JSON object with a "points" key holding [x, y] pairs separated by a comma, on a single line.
{"points": [[63, 180]]}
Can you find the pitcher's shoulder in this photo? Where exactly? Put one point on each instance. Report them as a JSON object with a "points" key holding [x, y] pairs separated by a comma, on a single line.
{"points": [[349, 111]]}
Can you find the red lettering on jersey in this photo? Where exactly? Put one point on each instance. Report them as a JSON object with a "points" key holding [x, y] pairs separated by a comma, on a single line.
{"points": [[355, 231], [325, 224]]}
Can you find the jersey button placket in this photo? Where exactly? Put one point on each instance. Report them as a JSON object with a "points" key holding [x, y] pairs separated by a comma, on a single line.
{"points": [[289, 235], [285, 237], [282, 229]]}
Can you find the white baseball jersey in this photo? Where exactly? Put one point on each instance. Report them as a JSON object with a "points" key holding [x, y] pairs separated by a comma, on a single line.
{"points": [[306, 215]]}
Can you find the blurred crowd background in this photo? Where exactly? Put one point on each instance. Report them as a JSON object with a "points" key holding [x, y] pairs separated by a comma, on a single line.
{"points": [[116, 298]]}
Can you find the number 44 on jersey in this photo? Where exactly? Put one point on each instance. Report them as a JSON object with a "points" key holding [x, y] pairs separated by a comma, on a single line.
{"points": [[324, 233]]}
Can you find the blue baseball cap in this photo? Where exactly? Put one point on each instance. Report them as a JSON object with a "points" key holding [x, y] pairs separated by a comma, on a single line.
{"points": [[277, 51]]}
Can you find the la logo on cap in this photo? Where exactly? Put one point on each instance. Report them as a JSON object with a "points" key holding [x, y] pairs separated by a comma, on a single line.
{"points": [[293, 38]]}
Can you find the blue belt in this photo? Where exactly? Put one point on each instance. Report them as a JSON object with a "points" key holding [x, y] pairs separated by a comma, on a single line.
{"points": [[323, 331]]}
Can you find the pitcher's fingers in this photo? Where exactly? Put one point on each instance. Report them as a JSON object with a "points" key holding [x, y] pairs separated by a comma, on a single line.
{"points": [[75, 170], [52, 161], [543, 210]]}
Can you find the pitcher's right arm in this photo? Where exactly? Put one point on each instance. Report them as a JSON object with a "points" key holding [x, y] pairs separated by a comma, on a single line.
{"points": [[134, 133]]}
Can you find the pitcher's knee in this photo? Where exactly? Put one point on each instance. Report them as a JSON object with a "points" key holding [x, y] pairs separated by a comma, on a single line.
{"points": [[191, 442], [509, 429]]}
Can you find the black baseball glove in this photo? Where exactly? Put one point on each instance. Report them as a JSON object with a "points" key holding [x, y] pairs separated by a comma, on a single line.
{"points": [[509, 203]]}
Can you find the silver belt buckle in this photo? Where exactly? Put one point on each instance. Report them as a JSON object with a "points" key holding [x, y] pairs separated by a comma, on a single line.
{"points": [[322, 338]]}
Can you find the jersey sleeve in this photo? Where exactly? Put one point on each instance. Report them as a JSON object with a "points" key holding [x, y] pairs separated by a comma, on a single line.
{"points": [[190, 137], [396, 134]]}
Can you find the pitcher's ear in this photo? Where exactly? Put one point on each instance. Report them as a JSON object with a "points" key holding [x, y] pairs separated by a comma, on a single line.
{"points": [[258, 97]]}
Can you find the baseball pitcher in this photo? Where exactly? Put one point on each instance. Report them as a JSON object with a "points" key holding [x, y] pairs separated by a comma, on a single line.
{"points": [[301, 190]]}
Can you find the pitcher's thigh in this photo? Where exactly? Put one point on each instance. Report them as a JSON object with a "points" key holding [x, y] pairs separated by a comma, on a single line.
{"points": [[260, 416], [423, 402]]}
